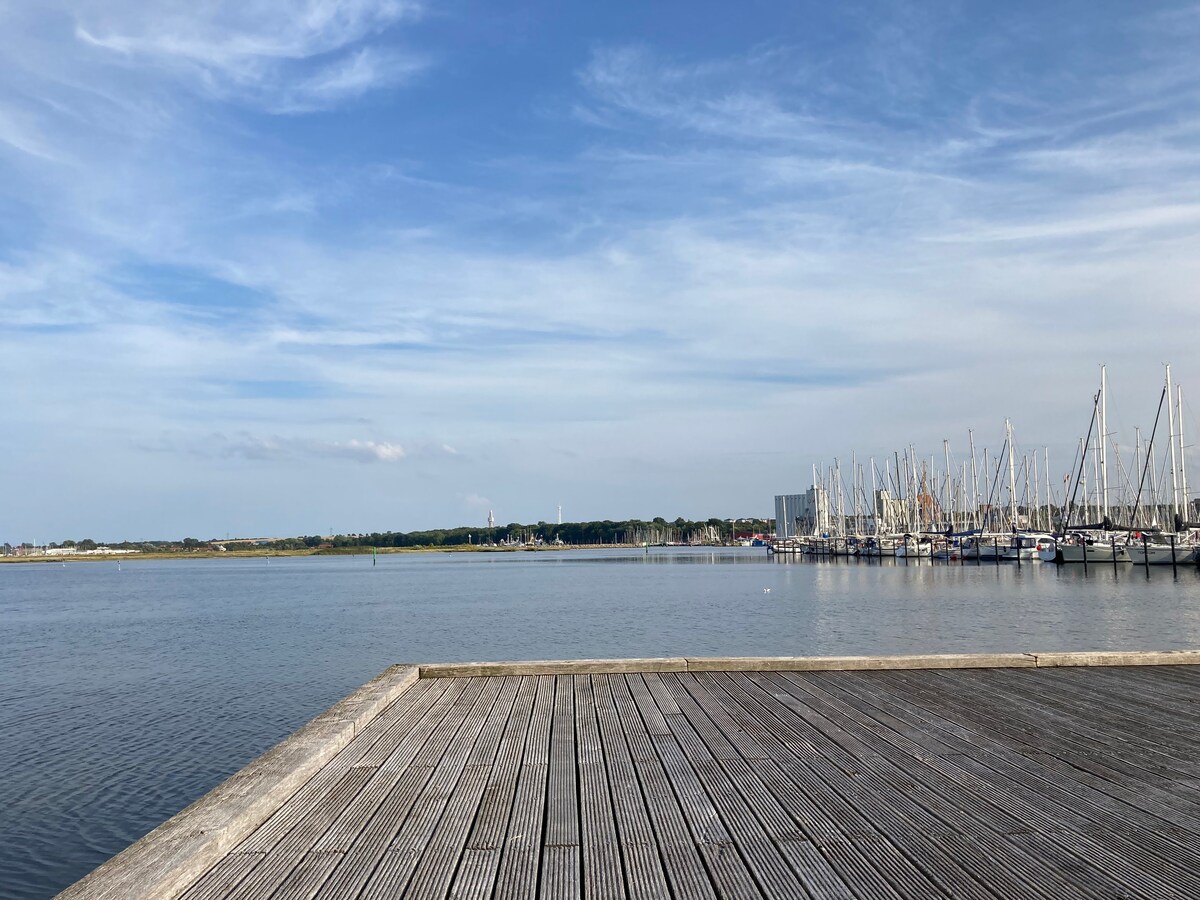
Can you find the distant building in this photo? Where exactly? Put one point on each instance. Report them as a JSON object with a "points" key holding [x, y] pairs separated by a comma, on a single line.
{"points": [[802, 514], [889, 512]]}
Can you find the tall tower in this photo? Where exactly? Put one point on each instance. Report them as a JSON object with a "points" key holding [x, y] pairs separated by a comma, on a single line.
{"points": [[560, 514], [491, 519]]}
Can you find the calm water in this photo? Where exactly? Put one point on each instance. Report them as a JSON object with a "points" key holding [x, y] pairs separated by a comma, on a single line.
{"points": [[125, 694]]}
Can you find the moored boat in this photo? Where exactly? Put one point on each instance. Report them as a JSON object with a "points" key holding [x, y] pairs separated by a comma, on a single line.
{"points": [[1090, 550], [1158, 554]]}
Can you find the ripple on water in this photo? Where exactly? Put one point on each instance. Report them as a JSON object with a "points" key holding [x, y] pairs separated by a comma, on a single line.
{"points": [[126, 698]]}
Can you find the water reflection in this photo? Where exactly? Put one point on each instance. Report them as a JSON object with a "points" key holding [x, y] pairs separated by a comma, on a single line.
{"points": [[685, 557]]}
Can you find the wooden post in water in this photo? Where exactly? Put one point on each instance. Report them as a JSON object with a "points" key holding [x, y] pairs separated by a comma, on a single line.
{"points": [[1174, 568], [1145, 555], [996, 549], [1085, 546], [1113, 541]]}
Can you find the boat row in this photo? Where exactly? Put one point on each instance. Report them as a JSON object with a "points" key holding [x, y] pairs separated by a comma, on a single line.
{"points": [[1083, 548]]}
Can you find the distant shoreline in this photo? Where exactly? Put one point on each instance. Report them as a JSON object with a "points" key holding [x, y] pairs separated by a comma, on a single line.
{"points": [[327, 551]]}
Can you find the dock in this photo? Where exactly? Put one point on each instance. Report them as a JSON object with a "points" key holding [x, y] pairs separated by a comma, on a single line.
{"points": [[977, 776]]}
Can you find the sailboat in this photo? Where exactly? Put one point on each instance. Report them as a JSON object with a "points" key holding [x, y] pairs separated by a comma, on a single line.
{"points": [[1086, 543], [1154, 548]]}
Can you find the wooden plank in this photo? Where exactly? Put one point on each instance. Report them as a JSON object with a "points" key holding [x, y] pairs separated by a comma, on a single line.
{"points": [[432, 707], [412, 842], [874, 868], [306, 879], [281, 859], [1165, 806], [218, 881], [480, 863], [821, 817], [560, 876], [1136, 859], [436, 869], [970, 798], [437, 860], [329, 782], [731, 873], [398, 718], [603, 877], [518, 873], [682, 862], [906, 824], [870, 864], [1056, 715], [1111, 801], [370, 844], [775, 847], [476, 874], [642, 866], [724, 737], [1135, 699], [393, 767]]}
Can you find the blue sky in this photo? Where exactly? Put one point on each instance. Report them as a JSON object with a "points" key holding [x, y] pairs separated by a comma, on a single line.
{"points": [[272, 267]]}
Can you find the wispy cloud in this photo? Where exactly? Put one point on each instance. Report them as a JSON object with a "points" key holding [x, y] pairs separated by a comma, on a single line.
{"points": [[275, 448], [281, 56]]}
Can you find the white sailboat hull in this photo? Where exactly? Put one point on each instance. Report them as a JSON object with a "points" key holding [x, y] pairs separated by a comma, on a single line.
{"points": [[1092, 553], [1162, 554]]}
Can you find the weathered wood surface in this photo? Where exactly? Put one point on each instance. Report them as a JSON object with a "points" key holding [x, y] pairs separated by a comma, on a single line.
{"points": [[984, 782]]}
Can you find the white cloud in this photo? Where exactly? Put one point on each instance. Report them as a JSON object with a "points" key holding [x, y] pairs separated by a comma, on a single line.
{"points": [[249, 446], [19, 134], [368, 451], [281, 56], [350, 77], [235, 36]]}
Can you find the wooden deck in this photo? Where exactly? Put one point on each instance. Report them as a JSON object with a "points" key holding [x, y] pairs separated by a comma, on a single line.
{"points": [[997, 782]]}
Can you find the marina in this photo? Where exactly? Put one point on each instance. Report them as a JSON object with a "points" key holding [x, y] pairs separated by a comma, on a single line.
{"points": [[1109, 509], [998, 775]]}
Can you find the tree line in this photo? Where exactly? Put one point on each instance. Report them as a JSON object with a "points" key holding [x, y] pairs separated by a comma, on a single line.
{"points": [[629, 531], [626, 532]]}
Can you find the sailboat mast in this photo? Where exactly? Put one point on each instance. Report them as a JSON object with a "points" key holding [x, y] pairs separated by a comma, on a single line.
{"points": [[1171, 441], [1103, 442], [899, 484], [854, 489], [974, 480], [841, 498], [1183, 489], [1012, 478], [947, 500], [874, 500], [986, 515], [1049, 496], [1084, 486], [1036, 519], [1137, 467]]}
